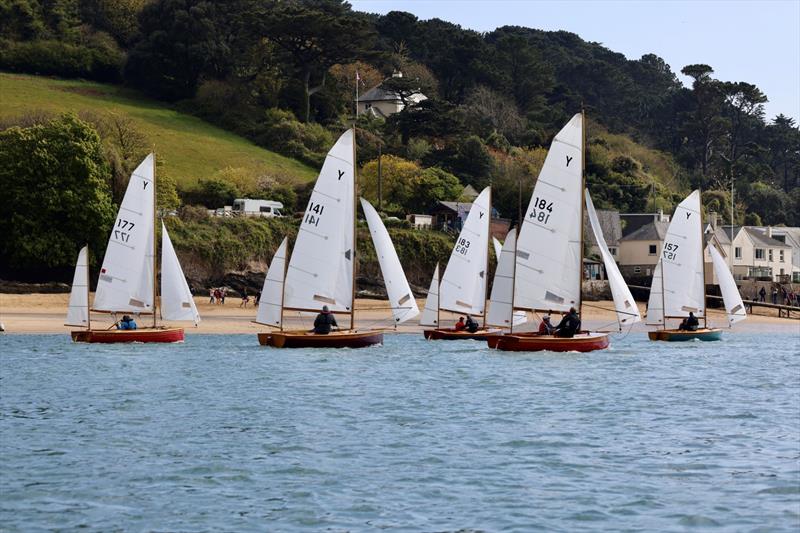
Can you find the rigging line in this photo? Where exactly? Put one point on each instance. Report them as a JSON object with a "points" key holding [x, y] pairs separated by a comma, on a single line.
{"points": [[607, 309]]}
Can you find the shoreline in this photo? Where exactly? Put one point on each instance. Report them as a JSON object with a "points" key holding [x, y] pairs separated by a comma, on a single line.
{"points": [[44, 313]]}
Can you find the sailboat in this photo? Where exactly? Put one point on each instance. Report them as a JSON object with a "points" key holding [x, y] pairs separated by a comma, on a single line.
{"points": [[501, 313], [462, 288], [127, 280], [678, 286], [321, 270], [548, 257]]}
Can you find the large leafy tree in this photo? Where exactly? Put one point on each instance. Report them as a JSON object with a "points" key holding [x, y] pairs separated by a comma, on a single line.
{"points": [[57, 179], [314, 34]]}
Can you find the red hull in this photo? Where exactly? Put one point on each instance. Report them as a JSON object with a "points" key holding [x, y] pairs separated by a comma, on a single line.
{"points": [[335, 339], [128, 335], [533, 342], [452, 335]]}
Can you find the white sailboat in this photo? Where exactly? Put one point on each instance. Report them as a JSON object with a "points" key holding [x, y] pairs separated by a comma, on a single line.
{"points": [[321, 269], [463, 285], [501, 311], [549, 249], [127, 280], [430, 314], [678, 286]]}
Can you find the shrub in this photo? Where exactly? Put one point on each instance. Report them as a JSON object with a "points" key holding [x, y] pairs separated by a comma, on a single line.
{"points": [[99, 59]]}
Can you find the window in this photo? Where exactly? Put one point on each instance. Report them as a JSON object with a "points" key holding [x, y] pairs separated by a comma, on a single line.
{"points": [[737, 252], [614, 251], [637, 270], [652, 249], [770, 255], [265, 209], [780, 255], [760, 253], [647, 272]]}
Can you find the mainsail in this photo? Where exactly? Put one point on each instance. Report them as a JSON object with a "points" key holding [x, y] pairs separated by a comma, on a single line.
{"points": [[177, 302], [624, 304], [269, 306], [730, 293], [549, 270], [682, 261], [430, 314], [401, 299], [126, 277], [321, 267], [463, 286], [500, 303], [78, 310]]}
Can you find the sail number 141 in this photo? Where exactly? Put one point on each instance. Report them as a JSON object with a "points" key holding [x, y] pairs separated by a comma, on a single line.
{"points": [[314, 214]]}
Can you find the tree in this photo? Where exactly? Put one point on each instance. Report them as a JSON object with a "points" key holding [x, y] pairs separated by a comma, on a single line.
{"points": [[767, 202], [315, 34], [211, 192], [58, 179]]}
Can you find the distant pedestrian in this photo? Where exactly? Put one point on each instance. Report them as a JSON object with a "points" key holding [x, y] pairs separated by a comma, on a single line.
{"points": [[245, 299], [223, 291], [211, 295], [217, 296], [762, 294], [774, 295], [257, 299]]}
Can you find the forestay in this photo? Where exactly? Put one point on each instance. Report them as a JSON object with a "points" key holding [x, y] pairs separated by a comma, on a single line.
{"points": [[126, 277], [730, 293], [463, 286], [549, 272], [655, 304], [624, 304], [321, 267], [430, 314], [500, 302], [682, 261], [401, 299], [269, 306], [78, 310], [177, 302]]}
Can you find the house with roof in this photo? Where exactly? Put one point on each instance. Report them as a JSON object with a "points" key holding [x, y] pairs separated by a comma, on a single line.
{"points": [[611, 226], [450, 216], [639, 251], [381, 103], [757, 255], [789, 236]]}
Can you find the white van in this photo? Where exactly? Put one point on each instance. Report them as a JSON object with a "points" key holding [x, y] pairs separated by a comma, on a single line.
{"points": [[257, 208]]}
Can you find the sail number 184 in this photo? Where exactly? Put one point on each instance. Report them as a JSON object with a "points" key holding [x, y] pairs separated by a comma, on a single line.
{"points": [[540, 210]]}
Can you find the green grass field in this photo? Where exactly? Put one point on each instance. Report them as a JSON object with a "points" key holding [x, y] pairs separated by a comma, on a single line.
{"points": [[192, 149]]}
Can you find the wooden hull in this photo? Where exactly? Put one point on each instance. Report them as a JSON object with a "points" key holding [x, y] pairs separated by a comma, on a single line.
{"points": [[129, 335], [334, 339], [676, 335], [534, 342], [452, 335]]}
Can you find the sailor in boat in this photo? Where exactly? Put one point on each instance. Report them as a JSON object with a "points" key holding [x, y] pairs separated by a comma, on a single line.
{"points": [[546, 327], [569, 325], [460, 325], [324, 321], [471, 324], [126, 323], [690, 323]]}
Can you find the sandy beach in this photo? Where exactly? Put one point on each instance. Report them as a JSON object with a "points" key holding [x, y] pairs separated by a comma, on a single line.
{"points": [[45, 313]]}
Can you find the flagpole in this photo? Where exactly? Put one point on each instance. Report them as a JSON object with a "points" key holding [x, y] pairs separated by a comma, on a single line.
{"points": [[356, 94]]}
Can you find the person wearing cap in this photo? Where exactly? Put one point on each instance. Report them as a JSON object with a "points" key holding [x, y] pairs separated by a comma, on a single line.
{"points": [[460, 325], [471, 324], [126, 323], [546, 328], [324, 321], [569, 325]]}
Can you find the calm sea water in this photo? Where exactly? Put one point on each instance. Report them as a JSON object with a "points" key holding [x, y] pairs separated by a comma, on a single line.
{"points": [[221, 434]]}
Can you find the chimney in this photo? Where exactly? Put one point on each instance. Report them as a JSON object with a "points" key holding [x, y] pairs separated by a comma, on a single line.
{"points": [[397, 74], [660, 215], [769, 231], [712, 219]]}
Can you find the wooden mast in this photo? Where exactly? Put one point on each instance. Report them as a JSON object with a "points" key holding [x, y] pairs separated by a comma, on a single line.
{"points": [[703, 262], [155, 221], [580, 221], [438, 298], [88, 307], [514, 276], [283, 283], [353, 254]]}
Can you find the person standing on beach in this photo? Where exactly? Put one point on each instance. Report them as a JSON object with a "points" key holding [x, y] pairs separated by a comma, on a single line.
{"points": [[211, 295], [774, 295], [763, 294]]}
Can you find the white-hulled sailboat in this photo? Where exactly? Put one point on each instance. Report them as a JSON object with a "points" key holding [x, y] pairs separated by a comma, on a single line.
{"points": [[678, 286], [127, 281], [548, 266], [321, 270], [462, 288]]}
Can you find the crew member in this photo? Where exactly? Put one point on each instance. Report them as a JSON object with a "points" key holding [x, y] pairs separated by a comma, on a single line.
{"points": [[460, 325], [689, 323], [471, 325], [545, 327], [569, 325], [126, 323], [324, 321]]}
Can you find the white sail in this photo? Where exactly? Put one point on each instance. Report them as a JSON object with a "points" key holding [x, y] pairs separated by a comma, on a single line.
{"points": [[430, 314], [498, 248], [126, 277], [549, 269], [682, 261], [655, 304], [730, 293], [463, 287], [78, 310], [500, 304], [321, 267], [624, 304], [269, 306], [401, 299], [177, 302]]}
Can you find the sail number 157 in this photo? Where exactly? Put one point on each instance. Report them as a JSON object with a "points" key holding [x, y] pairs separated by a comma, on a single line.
{"points": [[670, 251]]}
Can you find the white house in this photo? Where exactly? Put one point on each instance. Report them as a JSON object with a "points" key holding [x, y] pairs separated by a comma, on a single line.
{"points": [[381, 103], [757, 255]]}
